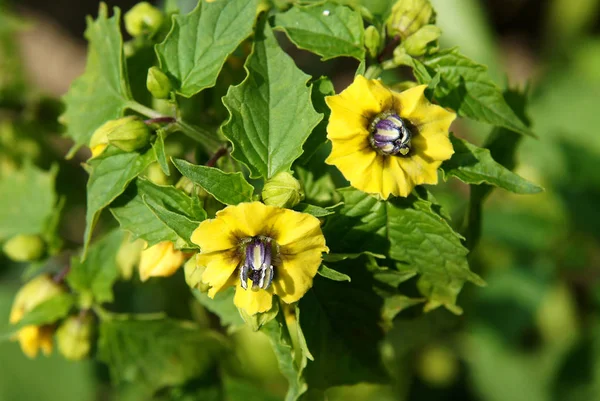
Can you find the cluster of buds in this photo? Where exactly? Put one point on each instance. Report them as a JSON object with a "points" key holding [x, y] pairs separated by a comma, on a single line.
{"points": [[411, 25]]}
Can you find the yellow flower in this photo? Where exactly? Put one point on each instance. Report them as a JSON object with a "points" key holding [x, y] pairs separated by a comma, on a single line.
{"points": [[262, 250], [385, 142], [160, 260], [32, 338]]}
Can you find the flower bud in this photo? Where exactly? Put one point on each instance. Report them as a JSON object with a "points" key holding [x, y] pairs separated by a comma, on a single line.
{"points": [[282, 190], [33, 338], [408, 16], [36, 291], [24, 248], [193, 275], [158, 83], [74, 337], [155, 174], [423, 41], [99, 140], [143, 19], [372, 41], [160, 260], [128, 256], [132, 134]]}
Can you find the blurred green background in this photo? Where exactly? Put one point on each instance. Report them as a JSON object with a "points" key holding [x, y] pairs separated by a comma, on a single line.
{"points": [[533, 334]]}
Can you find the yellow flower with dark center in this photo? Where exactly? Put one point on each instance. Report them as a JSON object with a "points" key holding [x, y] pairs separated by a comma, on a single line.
{"points": [[33, 338], [387, 142], [160, 260], [262, 250]]}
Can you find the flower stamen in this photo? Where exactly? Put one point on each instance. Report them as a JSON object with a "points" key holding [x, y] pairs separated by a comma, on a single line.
{"points": [[390, 134], [257, 265]]}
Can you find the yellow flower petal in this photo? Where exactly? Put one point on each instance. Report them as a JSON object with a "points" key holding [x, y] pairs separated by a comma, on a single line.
{"points": [[253, 302], [295, 274], [419, 170], [204, 236], [295, 226], [160, 260], [407, 102], [219, 268], [32, 338], [437, 147]]}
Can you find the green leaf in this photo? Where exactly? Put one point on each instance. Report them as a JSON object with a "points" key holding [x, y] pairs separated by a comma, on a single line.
{"points": [[271, 111], [102, 93], [279, 335], [316, 211], [413, 234], [329, 30], [110, 173], [474, 165], [181, 225], [157, 353], [342, 329], [338, 257], [466, 87], [135, 216], [95, 276], [331, 274], [159, 152], [227, 188], [321, 88], [27, 201], [49, 311], [221, 305], [396, 304], [198, 44]]}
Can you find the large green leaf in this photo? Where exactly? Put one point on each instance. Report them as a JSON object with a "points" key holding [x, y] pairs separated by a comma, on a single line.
{"points": [[271, 110], [94, 277], [195, 50], [135, 216], [413, 234], [102, 92], [329, 30], [110, 173], [157, 353], [279, 335], [180, 224], [27, 201], [227, 188], [342, 327], [475, 165], [49, 311], [321, 88], [466, 87]]}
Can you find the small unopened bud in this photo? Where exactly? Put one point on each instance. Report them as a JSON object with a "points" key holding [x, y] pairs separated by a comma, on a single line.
{"points": [[423, 41], [408, 16], [99, 140], [24, 248], [158, 83], [155, 174], [131, 135], [143, 19], [372, 41], [74, 337], [282, 190], [193, 275], [36, 291], [160, 260]]}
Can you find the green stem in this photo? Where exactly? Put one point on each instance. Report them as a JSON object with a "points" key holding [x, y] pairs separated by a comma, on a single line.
{"points": [[199, 134], [373, 71]]}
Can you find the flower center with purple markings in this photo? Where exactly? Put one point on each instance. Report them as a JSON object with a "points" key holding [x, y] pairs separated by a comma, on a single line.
{"points": [[257, 263], [390, 135]]}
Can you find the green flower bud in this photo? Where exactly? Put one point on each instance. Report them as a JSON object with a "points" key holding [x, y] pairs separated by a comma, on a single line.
{"points": [[158, 83], [24, 248], [155, 174], [143, 19], [438, 366], [282, 190], [130, 135], [193, 275], [372, 41], [408, 16], [74, 337], [423, 41]]}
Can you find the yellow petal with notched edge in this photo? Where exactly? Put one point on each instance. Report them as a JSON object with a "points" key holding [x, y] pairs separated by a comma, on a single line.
{"points": [[410, 100], [295, 226], [419, 170], [219, 267], [253, 302], [295, 274]]}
